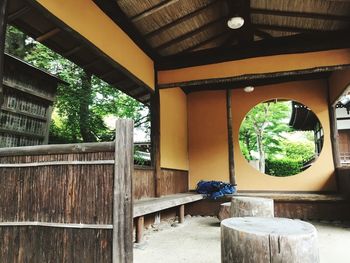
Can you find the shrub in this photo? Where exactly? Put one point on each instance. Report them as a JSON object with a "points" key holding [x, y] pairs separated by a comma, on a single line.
{"points": [[282, 167]]}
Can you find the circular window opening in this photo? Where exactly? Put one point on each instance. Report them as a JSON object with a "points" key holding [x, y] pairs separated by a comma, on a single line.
{"points": [[281, 137]]}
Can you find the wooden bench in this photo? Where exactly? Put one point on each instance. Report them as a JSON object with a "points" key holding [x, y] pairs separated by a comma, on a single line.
{"points": [[153, 205]]}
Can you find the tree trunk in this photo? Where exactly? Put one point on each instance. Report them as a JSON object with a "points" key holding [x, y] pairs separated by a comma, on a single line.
{"points": [[268, 240], [261, 153], [242, 206], [84, 112]]}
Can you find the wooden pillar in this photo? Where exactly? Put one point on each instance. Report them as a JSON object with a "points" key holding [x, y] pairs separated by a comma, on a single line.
{"points": [[122, 193], [140, 221], [334, 136], [155, 137], [181, 214], [3, 25], [230, 137]]}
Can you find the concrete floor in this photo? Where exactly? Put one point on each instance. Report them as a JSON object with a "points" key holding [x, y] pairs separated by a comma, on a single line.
{"points": [[198, 241]]}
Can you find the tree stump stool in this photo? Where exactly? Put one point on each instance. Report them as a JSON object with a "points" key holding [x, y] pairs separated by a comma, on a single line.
{"points": [[242, 206], [224, 211], [263, 239]]}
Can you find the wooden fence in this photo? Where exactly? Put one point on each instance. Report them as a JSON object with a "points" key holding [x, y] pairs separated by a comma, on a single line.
{"points": [[68, 203]]}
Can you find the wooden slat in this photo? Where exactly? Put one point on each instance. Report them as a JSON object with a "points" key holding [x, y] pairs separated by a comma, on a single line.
{"points": [[205, 41], [149, 206], [58, 225], [122, 193], [56, 163], [291, 29], [180, 20], [190, 33], [58, 149], [48, 35], [153, 9], [300, 14]]}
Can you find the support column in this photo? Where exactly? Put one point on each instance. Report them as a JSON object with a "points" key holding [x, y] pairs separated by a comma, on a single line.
{"points": [[155, 137], [334, 136], [230, 137], [181, 214], [3, 25], [139, 228]]}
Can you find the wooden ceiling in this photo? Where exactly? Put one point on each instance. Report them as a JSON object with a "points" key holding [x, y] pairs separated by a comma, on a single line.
{"points": [[182, 33], [178, 33]]}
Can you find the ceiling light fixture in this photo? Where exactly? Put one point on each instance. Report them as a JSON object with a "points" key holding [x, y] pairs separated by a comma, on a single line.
{"points": [[235, 22], [249, 89]]}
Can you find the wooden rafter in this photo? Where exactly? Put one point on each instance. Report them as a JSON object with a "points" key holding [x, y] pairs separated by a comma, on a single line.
{"points": [[204, 42], [291, 29], [180, 20], [190, 34], [48, 35], [152, 10], [72, 51], [300, 14], [262, 34], [18, 13]]}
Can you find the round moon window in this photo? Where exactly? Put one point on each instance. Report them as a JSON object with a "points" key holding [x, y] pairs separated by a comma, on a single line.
{"points": [[281, 137]]}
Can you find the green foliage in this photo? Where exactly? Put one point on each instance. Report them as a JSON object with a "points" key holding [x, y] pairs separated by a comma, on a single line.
{"points": [[82, 105], [283, 167], [300, 151]]}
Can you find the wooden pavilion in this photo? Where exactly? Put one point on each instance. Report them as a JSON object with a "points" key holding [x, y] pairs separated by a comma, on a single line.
{"points": [[181, 58]]}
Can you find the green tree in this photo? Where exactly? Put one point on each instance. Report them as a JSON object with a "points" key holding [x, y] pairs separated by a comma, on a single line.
{"points": [[82, 105], [262, 127]]}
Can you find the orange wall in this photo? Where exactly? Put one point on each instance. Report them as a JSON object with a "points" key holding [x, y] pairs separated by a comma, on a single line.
{"points": [[207, 136], [268, 64], [338, 82], [87, 19], [173, 129]]}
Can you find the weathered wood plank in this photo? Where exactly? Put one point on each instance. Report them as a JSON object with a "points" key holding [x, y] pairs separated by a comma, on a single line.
{"points": [[58, 149], [122, 193], [58, 163], [58, 225], [140, 221], [155, 137], [144, 207]]}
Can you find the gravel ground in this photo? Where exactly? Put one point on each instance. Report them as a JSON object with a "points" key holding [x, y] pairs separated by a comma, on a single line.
{"points": [[198, 241]]}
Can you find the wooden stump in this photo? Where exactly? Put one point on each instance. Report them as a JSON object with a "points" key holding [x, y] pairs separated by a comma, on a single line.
{"points": [[242, 206], [263, 239], [224, 211]]}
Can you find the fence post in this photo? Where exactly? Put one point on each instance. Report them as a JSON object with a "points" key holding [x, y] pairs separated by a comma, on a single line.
{"points": [[122, 193]]}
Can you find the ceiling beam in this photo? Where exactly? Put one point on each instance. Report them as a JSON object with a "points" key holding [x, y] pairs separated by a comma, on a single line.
{"points": [[300, 14], [205, 41], [180, 20], [291, 29], [153, 10], [48, 35], [72, 51], [190, 34], [262, 34], [18, 13]]}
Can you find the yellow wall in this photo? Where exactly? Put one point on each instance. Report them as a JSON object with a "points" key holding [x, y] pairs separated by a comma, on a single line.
{"points": [[173, 129], [88, 20], [338, 82], [268, 64], [207, 136]]}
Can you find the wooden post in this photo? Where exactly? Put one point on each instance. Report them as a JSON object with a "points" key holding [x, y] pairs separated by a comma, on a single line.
{"points": [[122, 193], [155, 137], [181, 214], [334, 136], [3, 25], [231, 162], [139, 228]]}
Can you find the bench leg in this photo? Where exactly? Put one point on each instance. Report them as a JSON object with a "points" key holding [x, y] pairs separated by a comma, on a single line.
{"points": [[181, 214], [139, 228]]}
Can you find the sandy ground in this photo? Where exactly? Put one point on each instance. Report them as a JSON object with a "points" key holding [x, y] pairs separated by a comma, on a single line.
{"points": [[198, 241]]}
